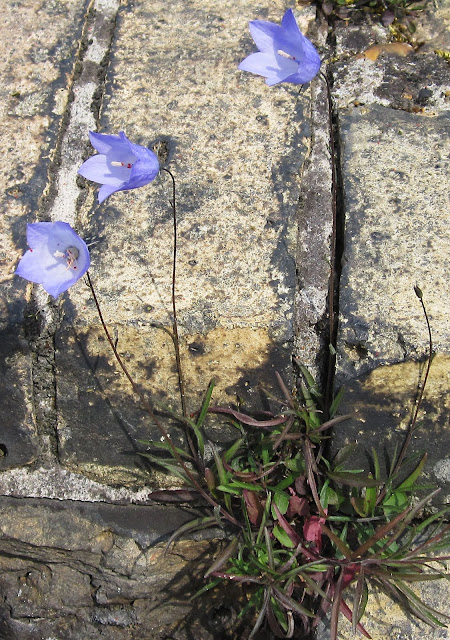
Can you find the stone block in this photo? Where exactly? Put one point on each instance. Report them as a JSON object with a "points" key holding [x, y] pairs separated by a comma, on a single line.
{"points": [[236, 149], [80, 571], [396, 237], [39, 40]]}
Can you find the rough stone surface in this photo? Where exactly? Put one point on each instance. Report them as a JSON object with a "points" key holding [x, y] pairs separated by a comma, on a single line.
{"points": [[74, 570], [238, 179], [395, 177], [81, 534], [415, 84], [381, 406], [395, 170], [393, 127], [40, 40], [314, 240]]}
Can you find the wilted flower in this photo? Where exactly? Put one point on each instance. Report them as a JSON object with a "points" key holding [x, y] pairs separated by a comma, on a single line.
{"points": [[57, 256], [285, 55], [119, 164]]}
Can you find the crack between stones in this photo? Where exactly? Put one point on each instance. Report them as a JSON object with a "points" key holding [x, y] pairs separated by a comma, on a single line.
{"points": [[59, 203]]}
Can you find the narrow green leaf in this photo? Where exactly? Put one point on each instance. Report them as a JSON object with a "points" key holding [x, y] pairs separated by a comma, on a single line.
{"points": [[189, 527], [169, 466], [370, 500], [286, 482], [340, 544], [206, 588], [164, 446], [312, 418], [206, 402], [379, 534], [336, 401], [227, 489], [343, 455], [223, 476], [238, 484], [270, 557], [312, 384], [394, 503], [359, 600], [358, 480], [426, 610], [230, 453], [282, 537], [264, 518], [198, 435], [291, 604], [376, 464], [261, 615], [359, 505], [411, 479]]}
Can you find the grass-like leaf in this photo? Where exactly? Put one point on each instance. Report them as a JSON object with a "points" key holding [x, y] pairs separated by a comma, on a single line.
{"points": [[359, 600], [223, 557], [192, 525]]}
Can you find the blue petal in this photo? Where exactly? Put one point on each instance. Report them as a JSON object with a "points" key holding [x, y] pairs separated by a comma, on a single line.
{"points": [[45, 262], [287, 39], [99, 169], [143, 153], [106, 191], [104, 143], [273, 67], [142, 173], [289, 23], [264, 34], [138, 165], [30, 268]]}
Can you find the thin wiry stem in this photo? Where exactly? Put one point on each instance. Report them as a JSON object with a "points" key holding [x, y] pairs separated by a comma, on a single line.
{"points": [[149, 409], [413, 423], [176, 340]]}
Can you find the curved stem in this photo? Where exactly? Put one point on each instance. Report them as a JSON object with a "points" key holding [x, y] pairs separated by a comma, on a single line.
{"points": [[412, 425], [176, 340], [418, 404]]}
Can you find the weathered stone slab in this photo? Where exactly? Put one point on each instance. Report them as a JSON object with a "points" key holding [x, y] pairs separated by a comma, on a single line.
{"points": [[78, 571], [396, 236], [236, 149], [393, 127], [39, 40]]}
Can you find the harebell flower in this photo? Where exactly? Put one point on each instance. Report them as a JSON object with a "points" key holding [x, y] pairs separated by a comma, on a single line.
{"points": [[285, 54], [119, 164], [57, 256]]}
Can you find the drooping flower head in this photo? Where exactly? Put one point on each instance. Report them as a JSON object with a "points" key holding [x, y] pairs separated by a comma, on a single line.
{"points": [[119, 164], [57, 256], [285, 54]]}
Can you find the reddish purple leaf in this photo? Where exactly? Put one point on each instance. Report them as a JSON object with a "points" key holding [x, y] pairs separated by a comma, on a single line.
{"points": [[243, 417], [255, 509], [299, 506], [312, 531]]}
